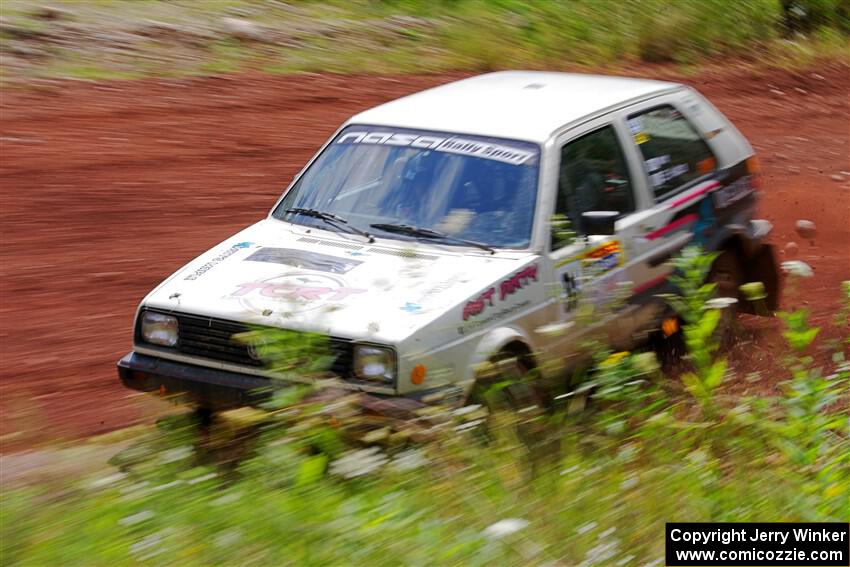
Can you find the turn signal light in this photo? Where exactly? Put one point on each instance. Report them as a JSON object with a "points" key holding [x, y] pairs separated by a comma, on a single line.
{"points": [[670, 326], [417, 375], [754, 169]]}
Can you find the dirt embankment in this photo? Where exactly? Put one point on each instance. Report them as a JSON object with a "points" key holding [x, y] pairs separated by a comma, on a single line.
{"points": [[109, 187]]}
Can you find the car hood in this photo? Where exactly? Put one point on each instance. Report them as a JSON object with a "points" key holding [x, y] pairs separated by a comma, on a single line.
{"points": [[291, 276]]}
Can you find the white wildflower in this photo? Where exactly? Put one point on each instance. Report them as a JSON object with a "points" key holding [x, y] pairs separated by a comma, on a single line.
{"points": [[107, 480], [136, 518], [584, 528], [167, 485], [601, 554], [358, 463], [554, 329], [409, 460], [228, 538], [469, 425], [227, 499], [203, 478], [176, 454], [466, 409], [136, 489], [505, 527], [629, 482], [146, 543], [569, 470]]}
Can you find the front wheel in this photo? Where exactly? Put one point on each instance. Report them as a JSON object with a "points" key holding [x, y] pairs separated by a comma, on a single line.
{"points": [[508, 383], [515, 396]]}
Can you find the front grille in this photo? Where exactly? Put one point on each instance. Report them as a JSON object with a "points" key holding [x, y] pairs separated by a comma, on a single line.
{"points": [[212, 338]]}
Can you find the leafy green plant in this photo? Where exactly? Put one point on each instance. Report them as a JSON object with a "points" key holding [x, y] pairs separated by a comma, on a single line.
{"points": [[693, 304]]}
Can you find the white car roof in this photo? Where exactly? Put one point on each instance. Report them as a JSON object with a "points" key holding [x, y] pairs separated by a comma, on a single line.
{"points": [[522, 105]]}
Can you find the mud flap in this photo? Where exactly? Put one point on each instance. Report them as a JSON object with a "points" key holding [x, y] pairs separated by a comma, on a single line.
{"points": [[761, 267]]}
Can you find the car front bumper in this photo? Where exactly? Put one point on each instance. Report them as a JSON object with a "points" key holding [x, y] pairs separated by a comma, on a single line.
{"points": [[219, 389], [223, 389]]}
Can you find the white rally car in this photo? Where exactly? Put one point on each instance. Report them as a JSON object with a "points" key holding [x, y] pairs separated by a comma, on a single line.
{"points": [[420, 239]]}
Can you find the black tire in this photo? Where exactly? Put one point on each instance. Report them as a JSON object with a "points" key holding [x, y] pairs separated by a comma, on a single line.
{"points": [[728, 276], [507, 384]]}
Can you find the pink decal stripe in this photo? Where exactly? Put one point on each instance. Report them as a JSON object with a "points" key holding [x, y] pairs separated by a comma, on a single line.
{"points": [[650, 284], [697, 193], [659, 232]]}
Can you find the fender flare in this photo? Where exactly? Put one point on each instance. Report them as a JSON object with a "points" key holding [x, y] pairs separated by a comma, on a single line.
{"points": [[491, 343]]}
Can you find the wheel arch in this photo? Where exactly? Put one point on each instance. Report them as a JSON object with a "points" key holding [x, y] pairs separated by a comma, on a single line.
{"points": [[757, 262], [503, 339]]}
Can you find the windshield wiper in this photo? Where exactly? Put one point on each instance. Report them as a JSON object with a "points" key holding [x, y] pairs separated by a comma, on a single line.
{"points": [[329, 218], [428, 233]]}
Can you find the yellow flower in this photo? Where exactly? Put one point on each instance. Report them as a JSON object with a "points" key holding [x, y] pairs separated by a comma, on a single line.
{"points": [[615, 358]]}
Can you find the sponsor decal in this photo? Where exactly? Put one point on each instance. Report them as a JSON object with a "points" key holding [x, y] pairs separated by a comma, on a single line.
{"points": [[517, 281], [508, 287], [706, 222], [310, 290], [659, 168], [411, 307], [674, 225], [603, 257], [515, 155], [569, 281], [660, 178], [423, 303], [476, 306], [218, 259], [699, 191], [304, 260], [733, 192], [471, 326]]}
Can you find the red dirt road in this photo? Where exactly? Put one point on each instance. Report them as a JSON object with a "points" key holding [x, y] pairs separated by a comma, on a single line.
{"points": [[109, 187]]}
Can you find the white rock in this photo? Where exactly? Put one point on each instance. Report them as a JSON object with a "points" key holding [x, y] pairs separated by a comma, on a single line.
{"points": [[806, 229], [720, 302], [797, 268], [243, 29]]}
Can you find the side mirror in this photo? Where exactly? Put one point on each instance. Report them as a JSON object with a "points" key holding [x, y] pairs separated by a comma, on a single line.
{"points": [[599, 222]]}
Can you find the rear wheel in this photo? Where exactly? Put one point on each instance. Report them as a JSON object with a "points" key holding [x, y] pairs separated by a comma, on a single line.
{"points": [[727, 275]]}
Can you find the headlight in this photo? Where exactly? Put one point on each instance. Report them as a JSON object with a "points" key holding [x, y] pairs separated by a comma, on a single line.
{"points": [[374, 363], [159, 329]]}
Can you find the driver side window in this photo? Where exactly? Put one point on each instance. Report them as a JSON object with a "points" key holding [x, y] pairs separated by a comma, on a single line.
{"points": [[593, 176]]}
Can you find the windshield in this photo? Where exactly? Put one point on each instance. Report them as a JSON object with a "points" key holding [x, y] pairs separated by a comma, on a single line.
{"points": [[473, 188]]}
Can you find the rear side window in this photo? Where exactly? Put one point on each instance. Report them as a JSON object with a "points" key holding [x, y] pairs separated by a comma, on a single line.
{"points": [[673, 152]]}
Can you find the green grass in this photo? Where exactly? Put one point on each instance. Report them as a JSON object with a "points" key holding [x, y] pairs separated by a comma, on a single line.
{"points": [[371, 36], [294, 486]]}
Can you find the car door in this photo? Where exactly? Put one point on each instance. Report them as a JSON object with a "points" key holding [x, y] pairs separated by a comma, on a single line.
{"points": [[678, 167], [594, 174]]}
